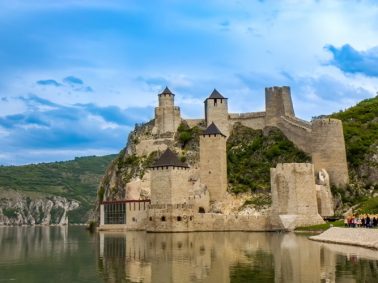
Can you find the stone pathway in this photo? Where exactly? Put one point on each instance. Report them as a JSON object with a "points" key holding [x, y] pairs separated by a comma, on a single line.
{"points": [[362, 237]]}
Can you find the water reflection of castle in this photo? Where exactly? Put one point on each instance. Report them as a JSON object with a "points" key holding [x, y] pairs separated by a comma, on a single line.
{"points": [[215, 257]]}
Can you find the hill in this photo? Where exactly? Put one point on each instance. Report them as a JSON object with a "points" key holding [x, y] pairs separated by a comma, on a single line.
{"points": [[360, 124], [23, 187]]}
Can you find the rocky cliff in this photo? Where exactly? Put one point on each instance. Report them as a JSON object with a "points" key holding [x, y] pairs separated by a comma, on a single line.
{"points": [[48, 193], [18, 209]]}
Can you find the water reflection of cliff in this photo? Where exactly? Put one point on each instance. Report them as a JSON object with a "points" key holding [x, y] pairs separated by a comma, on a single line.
{"points": [[34, 241], [218, 257]]}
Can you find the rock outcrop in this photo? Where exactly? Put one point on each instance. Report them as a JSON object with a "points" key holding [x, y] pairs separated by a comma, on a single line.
{"points": [[18, 209]]}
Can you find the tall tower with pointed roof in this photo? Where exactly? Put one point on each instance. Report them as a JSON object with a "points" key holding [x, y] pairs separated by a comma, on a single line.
{"points": [[213, 162], [216, 110], [167, 115]]}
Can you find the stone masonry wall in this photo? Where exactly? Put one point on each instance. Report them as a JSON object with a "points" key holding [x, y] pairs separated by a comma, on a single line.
{"points": [[294, 201], [216, 110], [328, 150], [277, 103], [213, 164], [167, 116], [252, 120], [169, 185]]}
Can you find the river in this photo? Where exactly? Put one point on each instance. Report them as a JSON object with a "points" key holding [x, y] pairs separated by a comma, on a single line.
{"points": [[71, 254]]}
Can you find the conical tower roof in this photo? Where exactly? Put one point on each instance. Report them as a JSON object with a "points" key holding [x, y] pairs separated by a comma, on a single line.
{"points": [[216, 95], [169, 158], [166, 91], [212, 130]]}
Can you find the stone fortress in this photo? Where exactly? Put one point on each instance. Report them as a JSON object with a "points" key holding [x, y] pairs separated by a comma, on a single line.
{"points": [[181, 196]]}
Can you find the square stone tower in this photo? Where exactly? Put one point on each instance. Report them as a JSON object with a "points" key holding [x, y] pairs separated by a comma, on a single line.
{"points": [[169, 180], [277, 103], [170, 210], [294, 200], [216, 110], [167, 115], [213, 162]]}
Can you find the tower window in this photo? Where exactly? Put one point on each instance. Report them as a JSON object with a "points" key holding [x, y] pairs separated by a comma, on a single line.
{"points": [[201, 210], [178, 218], [163, 218]]}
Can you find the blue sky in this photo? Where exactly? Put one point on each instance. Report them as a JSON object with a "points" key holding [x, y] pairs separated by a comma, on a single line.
{"points": [[75, 76]]}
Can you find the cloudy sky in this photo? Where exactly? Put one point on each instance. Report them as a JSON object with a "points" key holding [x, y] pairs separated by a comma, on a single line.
{"points": [[76, 75]]}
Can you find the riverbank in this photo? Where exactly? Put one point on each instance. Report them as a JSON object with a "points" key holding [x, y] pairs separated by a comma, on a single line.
{"points": [[363, 237]]}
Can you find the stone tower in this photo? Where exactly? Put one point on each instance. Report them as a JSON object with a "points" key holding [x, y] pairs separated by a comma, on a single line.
{"points": [[169, 180], [169, 209], [294, 201], [216, 110], [328, 150], [167, 115], [277, 103], [213, 162]]}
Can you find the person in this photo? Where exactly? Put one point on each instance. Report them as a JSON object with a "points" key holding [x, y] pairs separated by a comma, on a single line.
{"points": [[346, 222], [375, 220], [363, 222], [367, 221]]}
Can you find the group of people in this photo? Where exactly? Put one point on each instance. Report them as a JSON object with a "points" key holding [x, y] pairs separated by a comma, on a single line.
{"points": [[361, 221]]}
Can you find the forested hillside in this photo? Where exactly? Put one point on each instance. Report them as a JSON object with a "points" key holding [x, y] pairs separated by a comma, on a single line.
{"points": [[74, 180]]}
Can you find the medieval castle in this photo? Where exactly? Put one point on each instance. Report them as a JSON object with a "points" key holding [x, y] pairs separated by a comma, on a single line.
{"points": [[180, 196]]}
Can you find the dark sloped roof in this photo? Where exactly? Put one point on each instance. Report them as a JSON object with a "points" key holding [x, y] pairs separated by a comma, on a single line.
{"points": [[166, 91], [212, 130], [169, 158], [216, 95]]}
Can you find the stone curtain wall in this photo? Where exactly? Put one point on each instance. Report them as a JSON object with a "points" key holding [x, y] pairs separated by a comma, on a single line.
{"points": [[252, 120]]}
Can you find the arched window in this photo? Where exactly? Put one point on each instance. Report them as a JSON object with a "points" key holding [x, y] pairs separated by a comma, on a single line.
{"points": [[163, 218], [178, 218], [201, 210]]}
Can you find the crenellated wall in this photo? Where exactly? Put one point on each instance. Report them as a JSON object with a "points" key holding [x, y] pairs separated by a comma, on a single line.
{"points": [[252, 120]]}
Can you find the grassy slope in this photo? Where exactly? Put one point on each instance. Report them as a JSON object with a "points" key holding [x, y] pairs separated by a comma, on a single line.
{"points": [[75, 179], [251, 154], [360, 124]]}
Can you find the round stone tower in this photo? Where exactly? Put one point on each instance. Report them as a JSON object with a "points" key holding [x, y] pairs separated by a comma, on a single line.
{"points": [[216, 110], [213, 162], [167, 115], [328, 150]]}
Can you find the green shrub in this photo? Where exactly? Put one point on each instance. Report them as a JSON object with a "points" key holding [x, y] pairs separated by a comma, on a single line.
{"points": [[251, 154], [10, 212]]}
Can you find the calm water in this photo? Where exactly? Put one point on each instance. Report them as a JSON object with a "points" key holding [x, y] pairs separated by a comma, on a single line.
{"points": [[71, 254]]}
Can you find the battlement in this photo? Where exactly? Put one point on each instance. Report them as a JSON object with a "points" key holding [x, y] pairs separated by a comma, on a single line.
{"points": [[247, 115], [296, 167], [327, 122], [277, 90], [293, 121]]}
